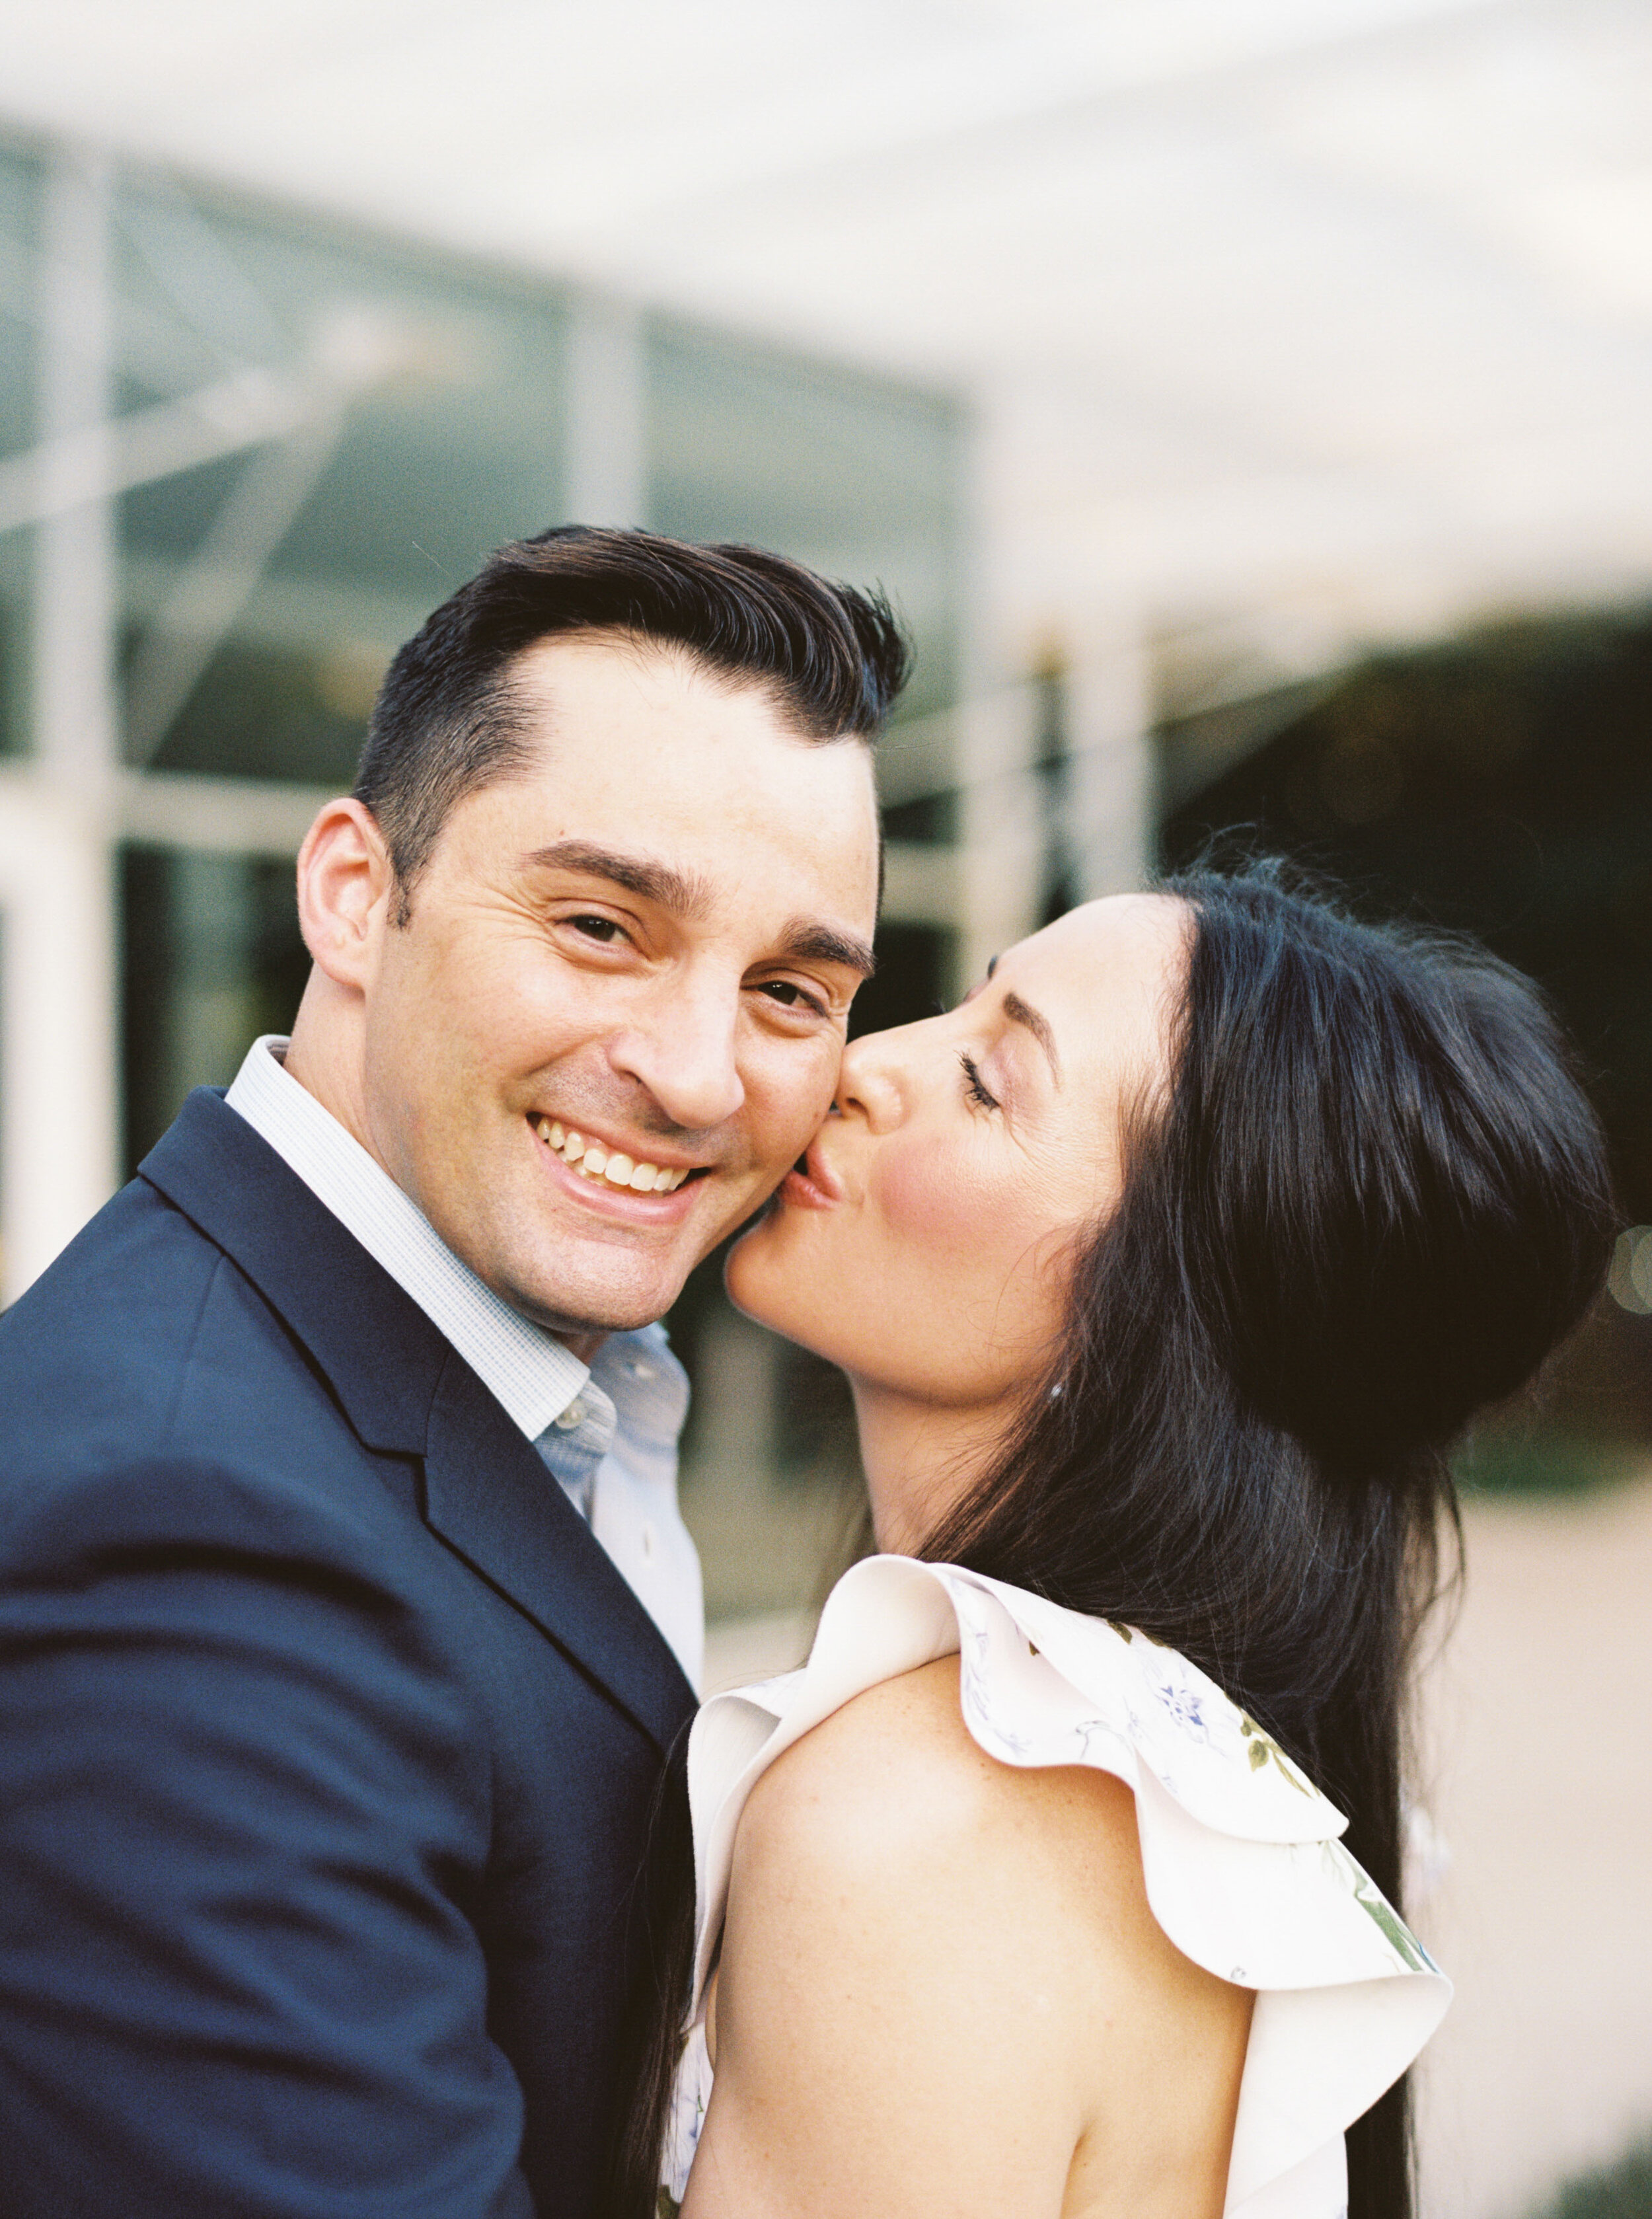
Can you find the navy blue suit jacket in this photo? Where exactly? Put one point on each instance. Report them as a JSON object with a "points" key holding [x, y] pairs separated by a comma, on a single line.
{"points": [[329, 1737]]}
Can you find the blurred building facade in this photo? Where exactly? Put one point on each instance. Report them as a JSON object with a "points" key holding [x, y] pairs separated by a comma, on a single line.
{"points": [[246, 450], [246, 453]]}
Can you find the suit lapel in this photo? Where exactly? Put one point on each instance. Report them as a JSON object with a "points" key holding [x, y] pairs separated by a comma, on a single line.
{"points": [[408, 1392], [494, 1502]]}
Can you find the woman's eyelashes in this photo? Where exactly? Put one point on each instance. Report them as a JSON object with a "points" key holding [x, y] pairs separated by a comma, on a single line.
{"points": [[972, 1087]]}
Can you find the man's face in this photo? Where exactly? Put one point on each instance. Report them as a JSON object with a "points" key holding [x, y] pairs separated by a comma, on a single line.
{"points": [[650, 941]]}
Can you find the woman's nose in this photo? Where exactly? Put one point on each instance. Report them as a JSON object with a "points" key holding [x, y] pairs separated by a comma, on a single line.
{"points": [[869, 1082]]}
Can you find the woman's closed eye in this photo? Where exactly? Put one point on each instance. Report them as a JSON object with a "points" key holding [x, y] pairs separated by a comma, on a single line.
{"points": [[972, 1087]]}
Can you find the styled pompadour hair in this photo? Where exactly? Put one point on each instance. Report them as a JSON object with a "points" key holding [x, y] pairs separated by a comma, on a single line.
{"points": [[445, 724]]}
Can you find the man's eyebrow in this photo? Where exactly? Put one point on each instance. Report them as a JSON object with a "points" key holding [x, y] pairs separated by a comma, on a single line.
{"points": [[805, 939], [1024, 1013], [681, 892]]}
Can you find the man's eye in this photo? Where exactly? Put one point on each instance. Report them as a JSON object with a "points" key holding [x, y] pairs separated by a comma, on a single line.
{"points": [[596, 927], [790, 995]]}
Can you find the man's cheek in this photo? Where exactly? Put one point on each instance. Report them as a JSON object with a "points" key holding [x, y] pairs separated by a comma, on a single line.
{"points": [[790, 1114]]}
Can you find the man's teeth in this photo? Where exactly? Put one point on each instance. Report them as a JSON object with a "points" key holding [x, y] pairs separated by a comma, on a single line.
{"points": [[618, 1169]]}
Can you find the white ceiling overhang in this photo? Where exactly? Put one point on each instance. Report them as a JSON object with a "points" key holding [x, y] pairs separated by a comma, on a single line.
{"points": [[1330, 318]]}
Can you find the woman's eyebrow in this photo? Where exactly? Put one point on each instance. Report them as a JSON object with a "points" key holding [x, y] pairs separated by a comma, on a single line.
{"points": [[1024, 1013]]}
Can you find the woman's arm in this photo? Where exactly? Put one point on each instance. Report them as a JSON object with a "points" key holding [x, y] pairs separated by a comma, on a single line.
{"points": [[942, 1991]]}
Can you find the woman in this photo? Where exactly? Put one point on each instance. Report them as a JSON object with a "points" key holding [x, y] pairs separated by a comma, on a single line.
{"points": [[1164, 1269]]}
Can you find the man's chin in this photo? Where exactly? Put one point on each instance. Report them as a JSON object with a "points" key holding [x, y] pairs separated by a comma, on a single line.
{"points": [[573, 1315], [580, 1288], [572, 1303]]}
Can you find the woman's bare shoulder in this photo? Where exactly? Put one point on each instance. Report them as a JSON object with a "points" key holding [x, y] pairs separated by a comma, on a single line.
{"points": [[959, 1954], [893, 1788]]}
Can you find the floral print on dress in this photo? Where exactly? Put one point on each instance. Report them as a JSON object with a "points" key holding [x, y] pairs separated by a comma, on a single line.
{"points": [[978, 1693], [1406, 1948], [691, 2092], [1264, 1750], [1093, 1735], [1182, 1702]]}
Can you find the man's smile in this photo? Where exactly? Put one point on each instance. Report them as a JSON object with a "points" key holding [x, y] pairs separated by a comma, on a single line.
{"points": [[594, 1161], [615, 1183]]}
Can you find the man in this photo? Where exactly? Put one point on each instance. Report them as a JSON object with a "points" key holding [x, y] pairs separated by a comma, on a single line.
{"points": [[345, 1618]]}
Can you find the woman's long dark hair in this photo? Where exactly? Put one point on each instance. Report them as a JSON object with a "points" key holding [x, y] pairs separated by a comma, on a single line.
{"points": [[1371, 1201]]}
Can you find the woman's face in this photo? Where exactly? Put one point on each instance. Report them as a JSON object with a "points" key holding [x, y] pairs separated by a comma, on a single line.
{"points": [[925, 1247]]}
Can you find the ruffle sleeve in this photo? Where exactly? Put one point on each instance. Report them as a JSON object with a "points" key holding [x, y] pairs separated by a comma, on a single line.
{"points": [[1245, 1868]]}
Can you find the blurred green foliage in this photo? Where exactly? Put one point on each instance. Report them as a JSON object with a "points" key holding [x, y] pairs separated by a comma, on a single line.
{"points": [[1622, 2190], [1498, 784], [1552, 1464]]}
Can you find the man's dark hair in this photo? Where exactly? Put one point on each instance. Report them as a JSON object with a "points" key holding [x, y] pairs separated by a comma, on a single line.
{"points": [[445, 723]]}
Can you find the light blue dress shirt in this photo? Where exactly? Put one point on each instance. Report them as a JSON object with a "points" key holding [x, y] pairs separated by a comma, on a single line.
{"points": [[608, 1431]]}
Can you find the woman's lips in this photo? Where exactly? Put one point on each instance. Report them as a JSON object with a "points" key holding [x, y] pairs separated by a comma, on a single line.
{"points": [[811, 1183]]}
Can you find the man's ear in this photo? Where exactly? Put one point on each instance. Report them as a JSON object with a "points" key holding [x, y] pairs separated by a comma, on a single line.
{"points": [[346, 892]]}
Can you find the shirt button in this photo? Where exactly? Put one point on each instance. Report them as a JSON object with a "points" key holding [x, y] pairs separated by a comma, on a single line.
{"points": [[573, 1415], [648, 1540]]}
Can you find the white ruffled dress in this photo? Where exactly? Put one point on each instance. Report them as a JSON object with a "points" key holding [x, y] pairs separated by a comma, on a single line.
{"points": [[1244, 1869]]}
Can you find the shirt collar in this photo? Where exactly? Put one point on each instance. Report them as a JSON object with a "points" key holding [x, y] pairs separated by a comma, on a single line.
{"points": [[636, 1398], [526, 1368], [647, 1385]]}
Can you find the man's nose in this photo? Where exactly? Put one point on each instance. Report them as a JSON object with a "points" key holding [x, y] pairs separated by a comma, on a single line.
{"points": [[870, 1081], [684, 1050]]}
